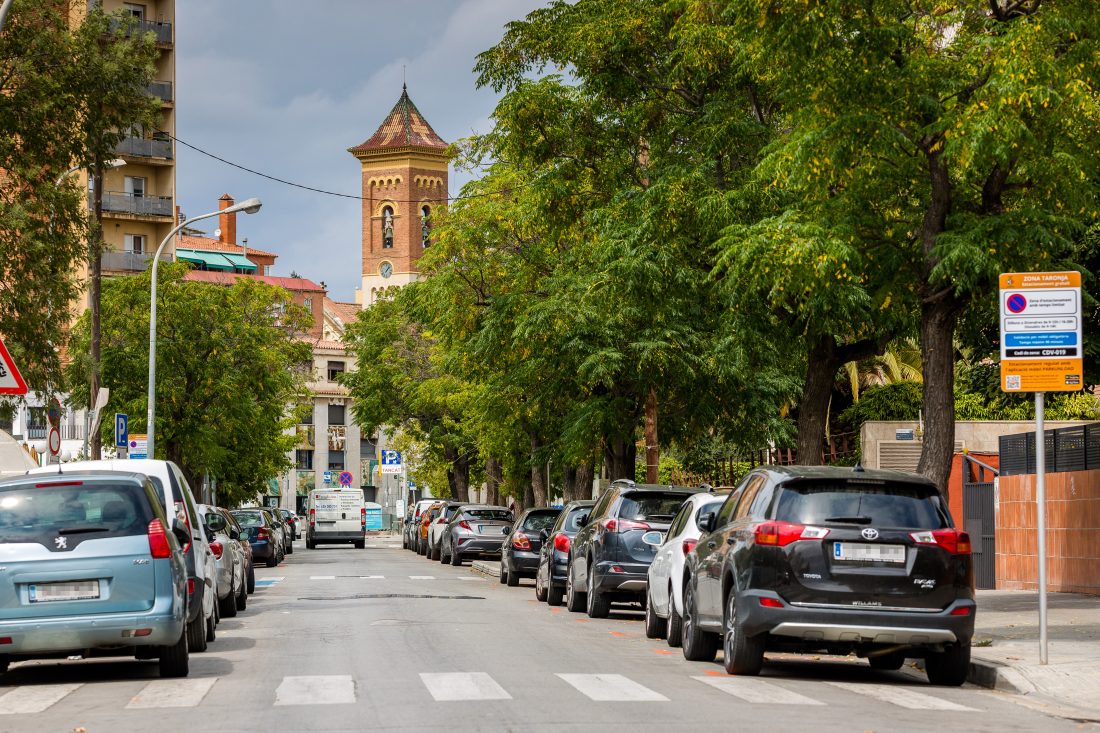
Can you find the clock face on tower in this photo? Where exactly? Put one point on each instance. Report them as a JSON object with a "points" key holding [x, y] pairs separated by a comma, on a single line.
{"points": [[385, 269]]}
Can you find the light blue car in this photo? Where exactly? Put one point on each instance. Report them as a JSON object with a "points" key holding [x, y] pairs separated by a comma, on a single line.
{"points": [[90, 566]]}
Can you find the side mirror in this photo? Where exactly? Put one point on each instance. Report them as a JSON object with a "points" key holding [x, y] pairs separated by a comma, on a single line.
{"points": [[583, 521], [653, 538], [179, 529], [234, 534], [215, 522], [706, 522], [544, 535]]}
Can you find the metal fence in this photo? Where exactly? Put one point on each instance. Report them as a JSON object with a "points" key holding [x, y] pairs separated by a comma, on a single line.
{"points": [[1075, 448], [162, 89], [129, 203], [134, 26], [122, 261], [143, 148]]}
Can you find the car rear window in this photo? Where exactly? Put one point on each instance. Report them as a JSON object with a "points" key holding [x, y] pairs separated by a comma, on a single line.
{"points": [[540, 521], [449, 511], [487, 515], [250, 519], [92, 511], [656, 507], [573, 521], [901, 506]]}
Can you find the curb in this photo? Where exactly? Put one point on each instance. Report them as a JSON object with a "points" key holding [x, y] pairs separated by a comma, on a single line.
{"points": [[995, 676], [484, 568]]}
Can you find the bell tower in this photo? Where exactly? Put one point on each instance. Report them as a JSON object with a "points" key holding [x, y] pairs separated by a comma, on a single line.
{"points": [[404, 168]]}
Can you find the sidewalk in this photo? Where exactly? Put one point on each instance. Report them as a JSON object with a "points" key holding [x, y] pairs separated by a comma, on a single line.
{"points": [[1005, 655]]}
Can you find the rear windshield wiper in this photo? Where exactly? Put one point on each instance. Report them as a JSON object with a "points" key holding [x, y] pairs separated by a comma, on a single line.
{"points": [[82, 530], [849, 520]]}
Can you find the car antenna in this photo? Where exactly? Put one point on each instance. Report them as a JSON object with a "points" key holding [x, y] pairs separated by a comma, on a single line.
{"points": [[858, 468]]}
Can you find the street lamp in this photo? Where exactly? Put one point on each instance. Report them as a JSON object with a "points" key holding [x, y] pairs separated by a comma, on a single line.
{"points": [[107, 165], [248, 206], [4, 12]]}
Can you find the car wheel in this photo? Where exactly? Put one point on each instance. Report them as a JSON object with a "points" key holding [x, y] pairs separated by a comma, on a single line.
{"points": [[404, 541], [513, 578], [699, 645], [887, 662], [227, 606], [675, 626], [173, 659], [540, 588], [654, 624], [241, 601], [599, 606], [574, 599], [290, 548], [360, 545], [196, 634], [949, 667], [744, 655], [212, 626], [456, 557], [503, 574], [4, 662], [437, 551], [423, 550], [444, 558], [272, 560], [251, 578]]}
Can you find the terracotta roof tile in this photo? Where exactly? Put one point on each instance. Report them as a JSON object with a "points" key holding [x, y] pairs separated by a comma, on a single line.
{"points": [[346, 312], [296, 284], [209, 244], [404, 127]]}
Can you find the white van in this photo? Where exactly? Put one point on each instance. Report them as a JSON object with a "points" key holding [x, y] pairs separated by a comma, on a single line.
{"points": [[336, 516]]}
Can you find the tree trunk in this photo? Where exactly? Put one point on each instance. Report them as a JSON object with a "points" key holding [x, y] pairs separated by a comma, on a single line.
{"points": [[494, 476], [582, 485], [458, 475], [652, 446], [937, 332], [620, 456], [539, 487], [95, 282]]}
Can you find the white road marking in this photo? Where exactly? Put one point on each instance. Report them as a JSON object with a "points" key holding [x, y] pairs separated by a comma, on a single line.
{"points": [[322, 577], [757, 691], [335, 689], [392, 547], [34, 699], [372, 577], [421, 577], [479, 580], [182, 693], [275, 577], [901, 696], [458, 686], [612, 688]]}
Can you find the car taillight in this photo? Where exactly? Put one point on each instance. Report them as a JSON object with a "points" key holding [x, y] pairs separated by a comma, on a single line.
{"points": [[689, 545], [771, 603], [190, 586], [363, 517], [158, 541], [622, 525], [464, 524], [961, 611], [952, 540], [781, 534], [312, 517], [217, 549], [261, 534], [441, 520], [5, 640], [520, 541], [561, 543]]}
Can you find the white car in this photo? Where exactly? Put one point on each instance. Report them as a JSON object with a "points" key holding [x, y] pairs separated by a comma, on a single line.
{"points": [[437, 529], [664, 606]]}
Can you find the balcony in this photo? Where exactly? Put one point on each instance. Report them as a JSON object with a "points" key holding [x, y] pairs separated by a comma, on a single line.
{"points": [[162, 89], [117, 261], [140, 205], [134, 26], [140, 147]]}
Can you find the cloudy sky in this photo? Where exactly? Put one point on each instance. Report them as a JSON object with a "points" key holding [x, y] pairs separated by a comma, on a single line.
{"points": [[285, 87]]}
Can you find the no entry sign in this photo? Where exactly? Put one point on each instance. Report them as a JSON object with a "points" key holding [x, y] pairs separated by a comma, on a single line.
{"points": [[1041, 346]]}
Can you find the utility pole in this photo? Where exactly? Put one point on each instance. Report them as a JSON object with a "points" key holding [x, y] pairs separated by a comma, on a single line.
{"points": [[95, 290]]}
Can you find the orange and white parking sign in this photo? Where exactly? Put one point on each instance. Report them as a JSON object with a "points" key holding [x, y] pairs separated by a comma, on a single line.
{"points": [[1041, 345]]}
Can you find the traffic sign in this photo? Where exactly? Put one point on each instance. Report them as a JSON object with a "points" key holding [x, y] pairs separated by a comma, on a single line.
{"points": [[346, 478], [1041, 343], [391, 461], [11, 381], [328, 478], [53, 412], [139, 446], [122, 430], [54, 441]]}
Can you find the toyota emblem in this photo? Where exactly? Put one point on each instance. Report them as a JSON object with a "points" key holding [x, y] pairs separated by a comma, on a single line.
{"points": [[870, 533]]}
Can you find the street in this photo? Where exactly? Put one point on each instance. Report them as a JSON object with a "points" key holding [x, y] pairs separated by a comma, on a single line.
{"points": [[338, 639]]}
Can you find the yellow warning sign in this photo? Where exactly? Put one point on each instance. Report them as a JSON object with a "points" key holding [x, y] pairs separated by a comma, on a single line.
{"points": [[1041, 343]]}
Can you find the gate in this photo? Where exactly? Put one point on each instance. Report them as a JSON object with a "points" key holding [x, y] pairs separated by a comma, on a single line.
{"points": [[979, 519]]}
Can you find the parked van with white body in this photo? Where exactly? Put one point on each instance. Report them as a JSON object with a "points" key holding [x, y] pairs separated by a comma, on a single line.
{"points": [[336, 516]]}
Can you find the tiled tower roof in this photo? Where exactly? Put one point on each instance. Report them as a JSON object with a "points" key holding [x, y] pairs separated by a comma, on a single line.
{"points": [[403, 129]]}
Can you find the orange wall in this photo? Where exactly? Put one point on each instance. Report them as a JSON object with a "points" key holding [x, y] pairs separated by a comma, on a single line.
{"points": [[955, 483], [1073, 532]]}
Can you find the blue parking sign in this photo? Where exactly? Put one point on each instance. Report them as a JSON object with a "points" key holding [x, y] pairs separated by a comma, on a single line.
{"points": [[122, 430]]}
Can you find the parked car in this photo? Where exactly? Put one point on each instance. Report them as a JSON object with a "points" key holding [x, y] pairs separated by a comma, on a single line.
{"points": [[554, 556], [92, 567], [608, 559], [262, 534], [246, 548], [426, 518], [832, 560], [280, 530], [664, 606], [291, 520], [336, 516], [438, 527], [229, 561], [411, 530], [179, 503], [286, 529], [520, 552], [475, 530]]}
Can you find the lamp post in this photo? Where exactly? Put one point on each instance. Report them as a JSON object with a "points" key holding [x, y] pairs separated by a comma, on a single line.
{"points": [[248, 206], [4, 12]]}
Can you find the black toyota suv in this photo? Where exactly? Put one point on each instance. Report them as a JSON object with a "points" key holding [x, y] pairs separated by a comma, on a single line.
{"points": [[608, 559], [832, 560]]}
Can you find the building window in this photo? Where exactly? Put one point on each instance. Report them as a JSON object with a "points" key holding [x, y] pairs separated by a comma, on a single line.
{"points": [[307, 417], [308, 303], [335, 414], [304, 459], [336, 460], [425, 229], [135, 186], [135, 243], [387, 228], [335, 369], [134, 10]]}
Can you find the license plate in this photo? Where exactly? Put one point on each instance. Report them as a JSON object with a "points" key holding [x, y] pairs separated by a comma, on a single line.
{"points": [[81, 590], [865, 552]]}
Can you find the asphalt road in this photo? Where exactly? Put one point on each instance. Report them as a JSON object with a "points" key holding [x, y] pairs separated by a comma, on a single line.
{"points": [[340, 639]]}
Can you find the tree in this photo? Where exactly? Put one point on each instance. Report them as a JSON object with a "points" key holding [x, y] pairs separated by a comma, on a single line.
{"points": [[231, 364]]}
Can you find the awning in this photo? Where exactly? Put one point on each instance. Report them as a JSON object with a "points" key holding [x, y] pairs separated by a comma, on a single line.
{"points": [[239, 261], [211, 260]]}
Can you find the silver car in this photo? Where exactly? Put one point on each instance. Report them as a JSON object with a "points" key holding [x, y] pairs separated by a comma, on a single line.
{"points": [[230, 562], [475, 530]]}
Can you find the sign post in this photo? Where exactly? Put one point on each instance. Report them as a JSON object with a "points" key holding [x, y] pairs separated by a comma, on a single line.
{"points": [[122, 432], [1041, 351]]}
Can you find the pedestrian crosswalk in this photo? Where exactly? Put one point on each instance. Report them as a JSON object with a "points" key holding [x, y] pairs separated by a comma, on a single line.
{"points": [[452, 687]]}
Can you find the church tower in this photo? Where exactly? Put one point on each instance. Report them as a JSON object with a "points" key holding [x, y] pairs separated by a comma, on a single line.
{"points": [[404, 184]]}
